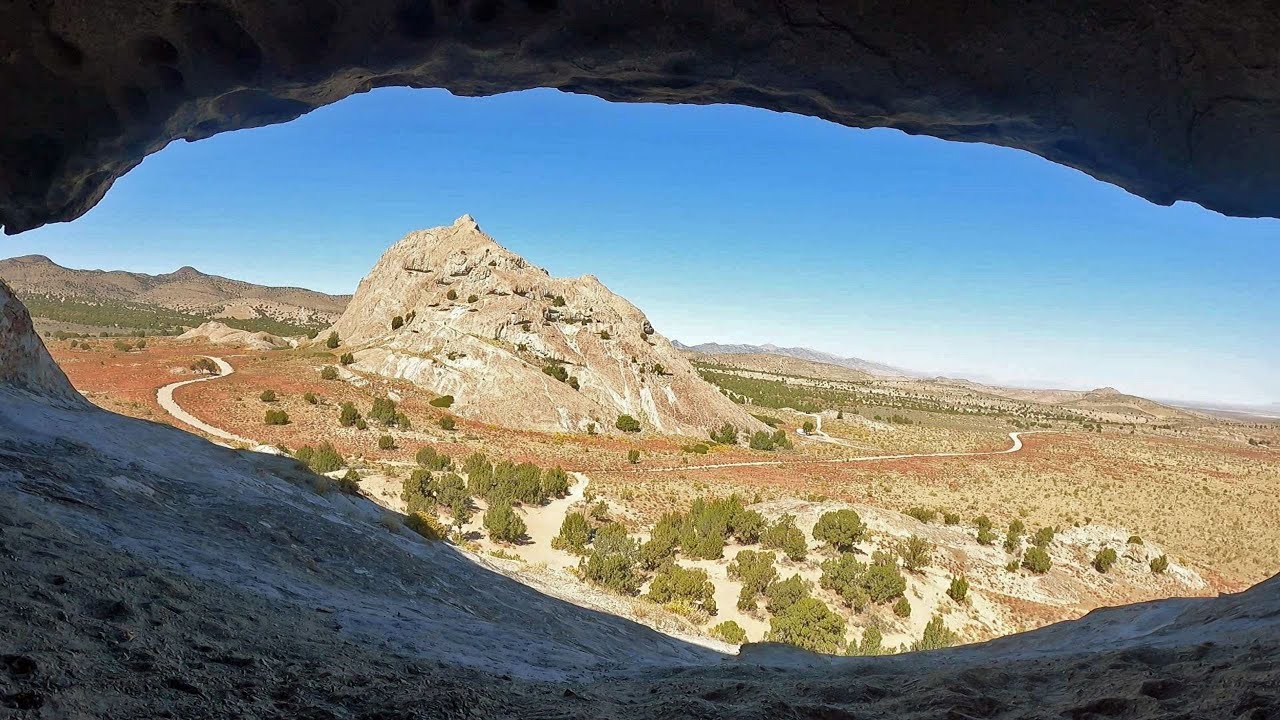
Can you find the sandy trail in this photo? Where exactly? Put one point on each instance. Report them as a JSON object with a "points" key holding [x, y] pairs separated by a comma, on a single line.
{"points": [[1016, 437], [164, 396]]}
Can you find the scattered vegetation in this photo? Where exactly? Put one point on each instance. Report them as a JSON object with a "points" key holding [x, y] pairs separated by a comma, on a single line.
{"points": [[730, 632], [626, 423], [840, 529], [276, 417], [1036, 559]]}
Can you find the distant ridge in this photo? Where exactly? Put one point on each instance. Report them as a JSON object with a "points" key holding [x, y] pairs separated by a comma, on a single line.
{"points": [[801, 353]]}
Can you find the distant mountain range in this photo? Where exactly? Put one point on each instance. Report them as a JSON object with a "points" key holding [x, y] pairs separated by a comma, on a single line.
{"points": [[185, 297], [801, 353]]}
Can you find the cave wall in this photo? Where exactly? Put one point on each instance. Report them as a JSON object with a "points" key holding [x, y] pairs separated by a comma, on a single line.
{"points": [[1176, 100]]}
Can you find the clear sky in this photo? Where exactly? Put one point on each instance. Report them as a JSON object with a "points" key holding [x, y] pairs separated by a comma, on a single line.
{"points": [[733, 225]]}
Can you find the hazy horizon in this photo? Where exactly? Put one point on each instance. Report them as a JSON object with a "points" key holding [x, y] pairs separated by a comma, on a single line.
{"points": [[733, 225]]}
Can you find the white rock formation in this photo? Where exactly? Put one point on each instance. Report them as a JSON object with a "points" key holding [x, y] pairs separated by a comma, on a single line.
{"points": [[221, 334]]}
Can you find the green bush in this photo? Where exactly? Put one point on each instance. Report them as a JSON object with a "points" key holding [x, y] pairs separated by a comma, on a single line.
{"points": [[844, 575], [448, 423], [633, 456], [882, 582], [348, 415], [730, 632], [443, 401], [347, 359], [1135, 540], [558, 301], [726, 435], [696, 448], [1043, 537], [983, 522], [472, 298], [612, 560], [386, 442], [626, 423], [1160, 564], [503, 524], [924, 515], [328, 372], [349, 483], [428, 526], [332, 341], [872, 643], [986, 537], [428, 458], [122, 346], [556, 371], [1036, 559], [916, 553], [785, 536], [451, 492], [361, 424], [959, 590], [268, 396], [1013, 539], [310, 398], [1103, 561], [809, 624], [782, 594], [936, 636], [384, 411], [840, 529], [555, 483], [326, 458], [761, 440], [452, 294], [756, 572], [902, 608], [397, 322], [276, 417], [673, 583], [808, 426], [575, 534], [951, 518]]}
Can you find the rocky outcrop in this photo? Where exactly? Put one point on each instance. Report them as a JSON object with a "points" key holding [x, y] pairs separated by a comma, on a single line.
{"points": [[517, 347], [25, 365], [220, 334], [1176, 100]]}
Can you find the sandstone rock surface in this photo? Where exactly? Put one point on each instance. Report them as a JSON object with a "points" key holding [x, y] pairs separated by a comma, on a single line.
{"points": [[484, 325], [220, 334]]}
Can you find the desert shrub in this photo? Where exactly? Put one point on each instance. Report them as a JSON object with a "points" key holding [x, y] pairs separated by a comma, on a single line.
{"points": [[633, 456], [600, 511], [558, 301], [304, 454], [726, 435], [844, 575], [472, 298], [883, 582], [756, 572], [1043, 537], [785, 536], [503, 524], [983, 522], [386, 442], [1036, 559], [730, 632], [331, 342], [383, 411], [1103, 561], [902, 608], [808, 426], [986, 537], [361, 424], [428, 458], [556, 371], [328, 372], [840, 529], [673, 583], [349, 483], [443, 401], [777, 440], [924, 515], [555, 482], [452, 294], [663, 542], [936, 636], [626, 423], [276, 417], [1135, 540], [310, 398], [347, 359], [448, 423], [268, 396], [872, 643], [575, 534], [348, 415], [612, 560], [428, 526], [782, 594], [696, 448], [397, 322], [326, 458], [916, 553], [122, 346], [202, 365], [1013, 538], [419, 492], [809, 624], [951, 518], [959, 590], [1160, 564], [451, 492]]}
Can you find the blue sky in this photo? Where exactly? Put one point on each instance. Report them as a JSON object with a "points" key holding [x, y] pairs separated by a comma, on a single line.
{"points": [[734, 225]]}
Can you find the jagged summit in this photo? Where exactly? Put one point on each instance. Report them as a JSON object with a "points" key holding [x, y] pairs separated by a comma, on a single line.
{"points": [[516, 346]]}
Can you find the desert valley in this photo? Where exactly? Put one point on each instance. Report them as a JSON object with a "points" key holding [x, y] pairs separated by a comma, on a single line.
{"points": [[720, 495]]}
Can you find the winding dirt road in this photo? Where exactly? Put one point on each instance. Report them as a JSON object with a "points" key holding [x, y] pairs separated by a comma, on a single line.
{"points": [[1016, 437], [164, 396]]}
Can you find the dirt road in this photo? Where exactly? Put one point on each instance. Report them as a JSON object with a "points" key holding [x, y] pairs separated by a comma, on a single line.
{"points": [[164, 396]]}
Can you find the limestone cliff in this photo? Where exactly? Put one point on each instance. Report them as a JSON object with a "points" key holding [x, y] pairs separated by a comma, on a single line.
{"points": [[517, 347]]}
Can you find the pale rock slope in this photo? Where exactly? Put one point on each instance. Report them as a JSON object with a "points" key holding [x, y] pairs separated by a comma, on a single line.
{"points": [[489, 353], [25, 364], [222, 334]]}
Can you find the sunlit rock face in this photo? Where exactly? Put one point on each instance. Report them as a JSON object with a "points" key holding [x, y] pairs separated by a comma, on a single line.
{"points": [[1175, 100], [25, 365]]}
